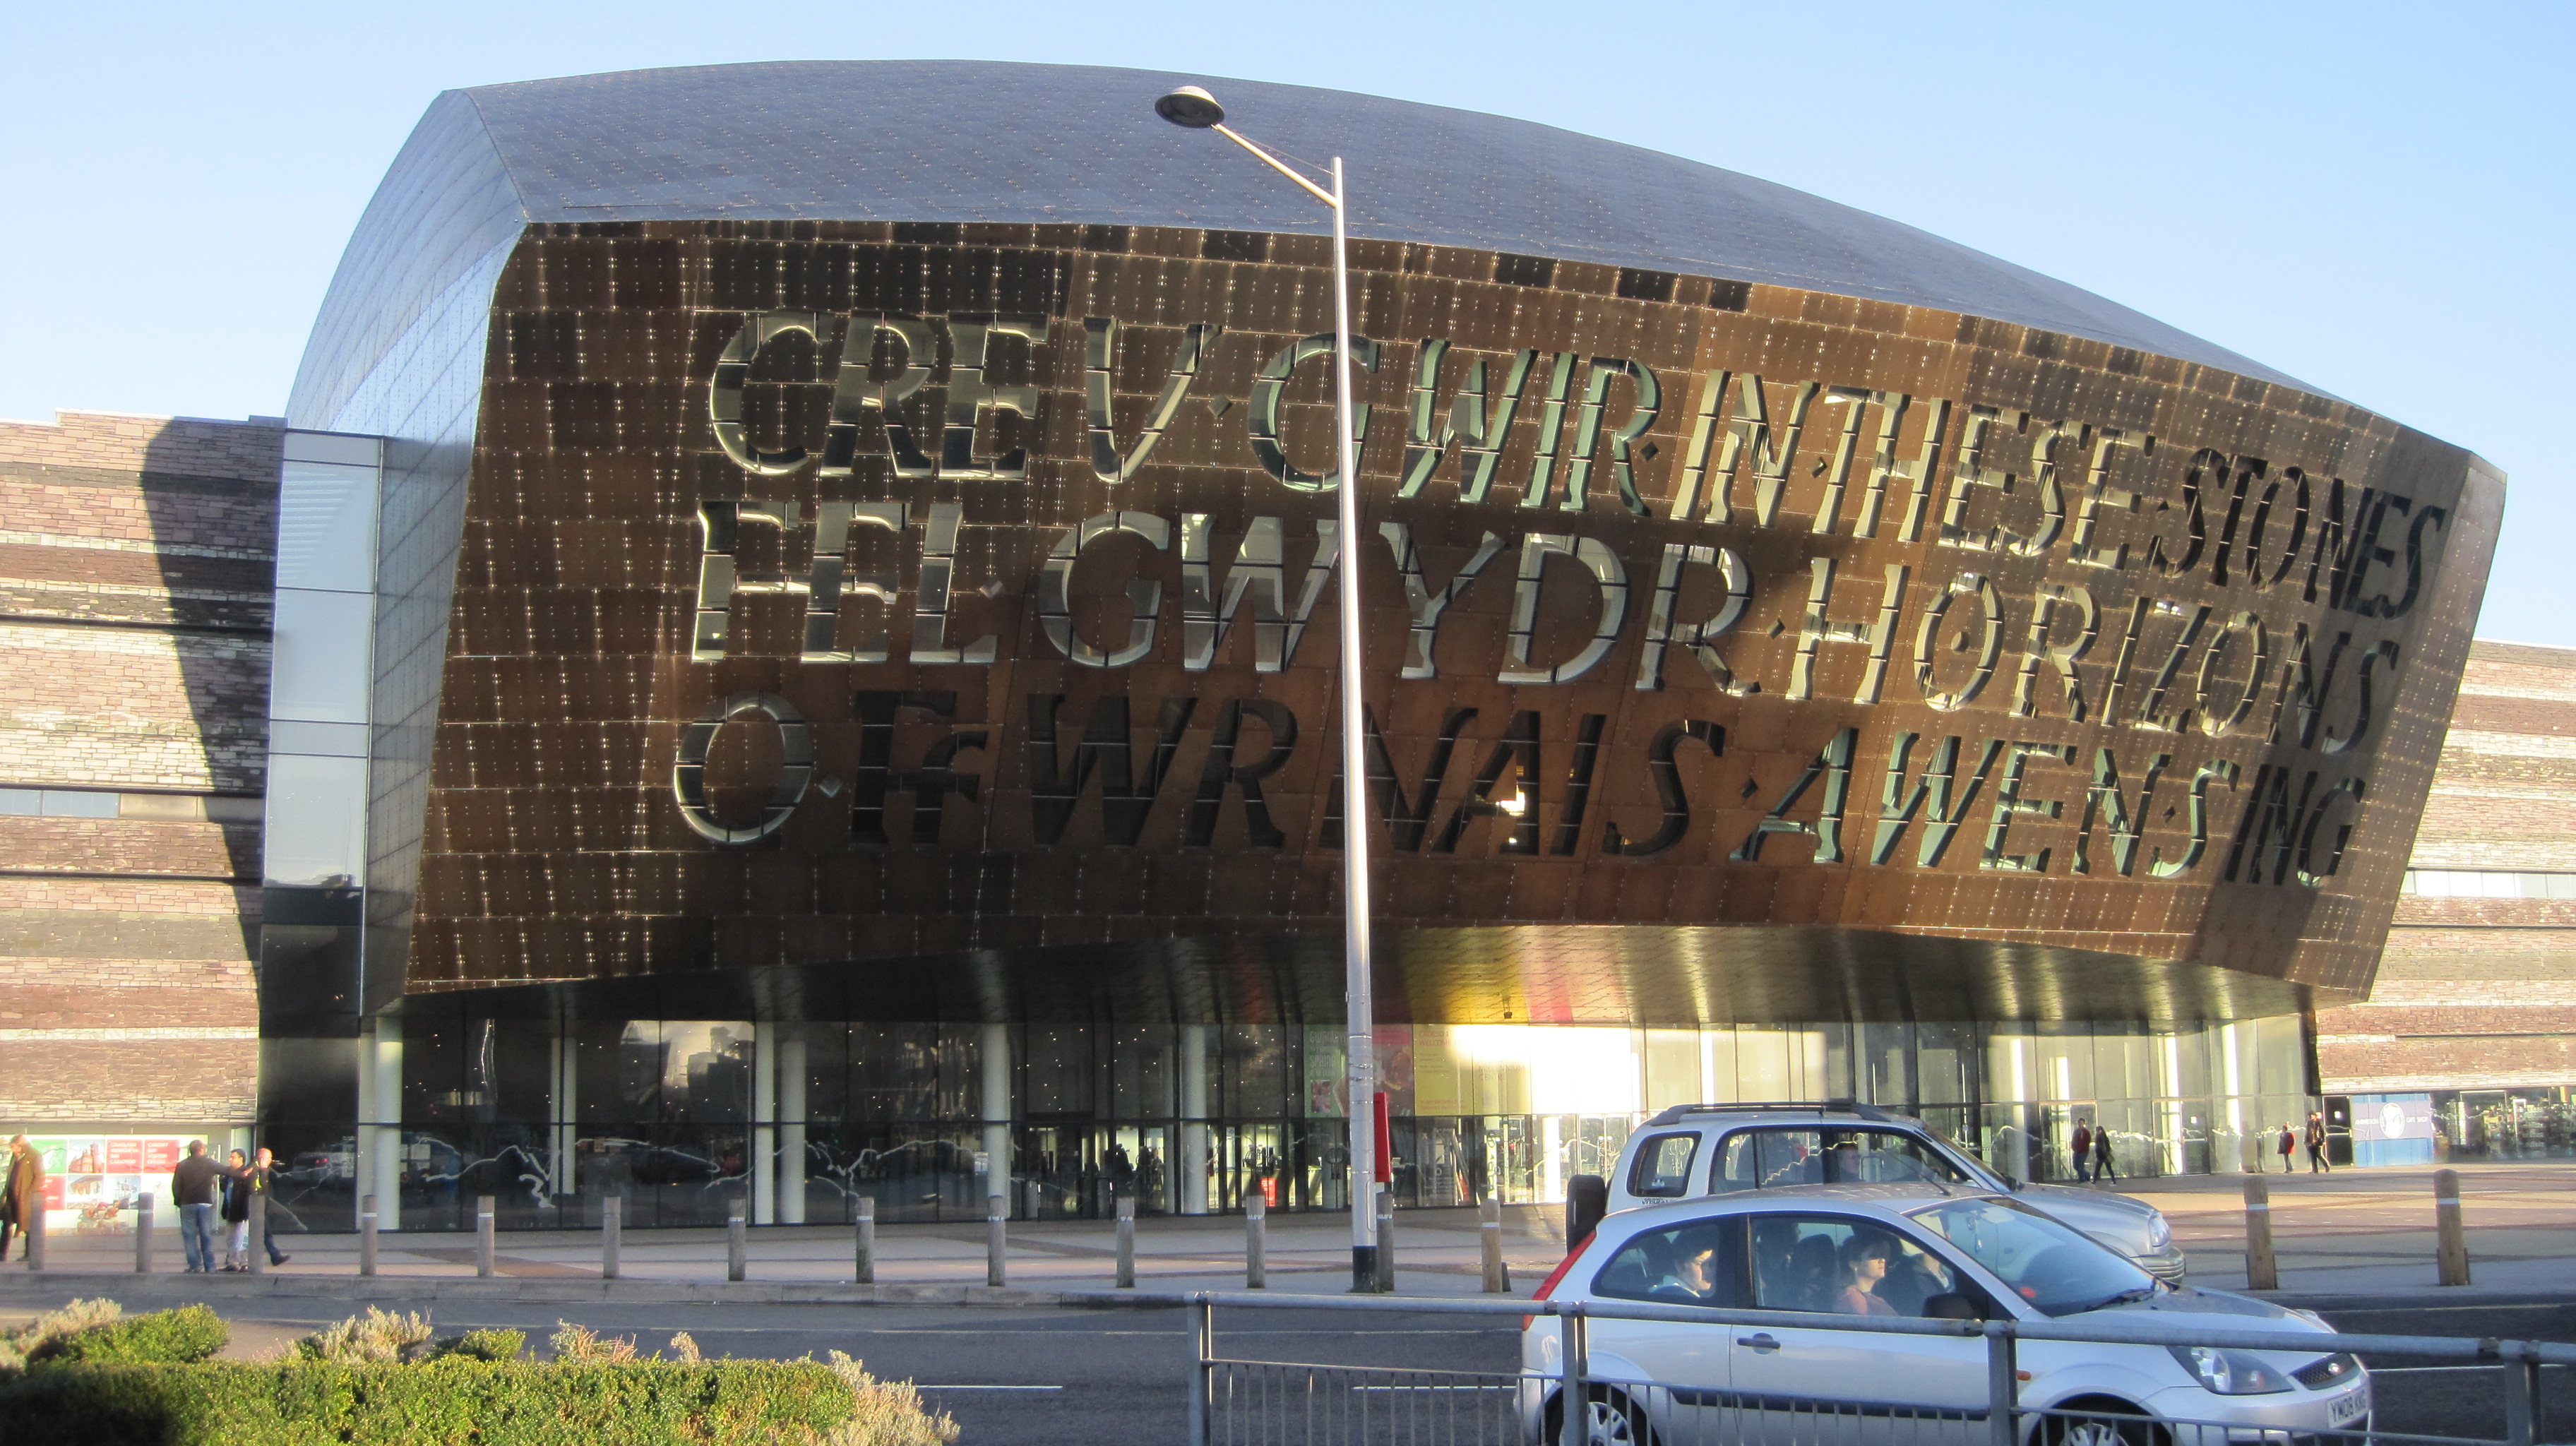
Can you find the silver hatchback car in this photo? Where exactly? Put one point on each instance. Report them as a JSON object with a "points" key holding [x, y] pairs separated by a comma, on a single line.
{"points": [[1717, 1149], [1903, 1250]]}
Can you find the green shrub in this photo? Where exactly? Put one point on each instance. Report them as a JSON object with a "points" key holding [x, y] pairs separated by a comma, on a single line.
{"points": [[163, 1337], [491, 1344], [379, 1335], [457, 1401], [39, 1334]]}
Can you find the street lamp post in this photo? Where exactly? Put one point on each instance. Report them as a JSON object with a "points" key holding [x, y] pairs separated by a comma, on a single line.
{"points": [[1195, 109]]}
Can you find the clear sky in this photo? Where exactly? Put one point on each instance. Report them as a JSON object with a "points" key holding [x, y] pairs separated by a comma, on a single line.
{"points": [[2373, 198]]}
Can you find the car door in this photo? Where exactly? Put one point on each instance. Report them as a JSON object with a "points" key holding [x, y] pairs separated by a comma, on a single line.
{"points": [[1794, 1382], [1677, 1371]]}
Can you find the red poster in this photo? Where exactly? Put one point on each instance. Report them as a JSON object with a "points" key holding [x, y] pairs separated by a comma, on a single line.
{"points": [[124, 1155], [160, 1157], [53, 1192]]}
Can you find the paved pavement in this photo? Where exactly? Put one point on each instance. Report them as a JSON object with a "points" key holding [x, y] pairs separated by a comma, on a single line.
{"points": [[2352, 1232], [1438, 1252], [2356, 1244], [2370, 1232]]}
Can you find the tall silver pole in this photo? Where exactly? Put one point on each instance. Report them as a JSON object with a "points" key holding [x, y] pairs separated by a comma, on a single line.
{"points": [[1355, 872]]}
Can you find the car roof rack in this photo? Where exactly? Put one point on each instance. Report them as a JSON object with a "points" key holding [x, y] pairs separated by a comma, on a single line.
{"points": [[1675, 1114]]}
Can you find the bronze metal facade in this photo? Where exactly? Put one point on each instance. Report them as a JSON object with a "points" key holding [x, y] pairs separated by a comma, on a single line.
{"points": [[912, 596]]}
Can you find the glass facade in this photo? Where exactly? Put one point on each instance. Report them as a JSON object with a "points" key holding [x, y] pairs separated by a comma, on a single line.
{"points": [[802, 1118]]}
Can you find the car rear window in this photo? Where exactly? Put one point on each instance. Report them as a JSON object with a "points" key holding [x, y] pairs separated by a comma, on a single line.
{"points": [[1688, 1264], [1663, 1166]]}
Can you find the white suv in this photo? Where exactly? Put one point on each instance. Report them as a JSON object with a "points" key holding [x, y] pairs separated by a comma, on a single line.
{"points": [[1694, 1150], [1919, 1250]]}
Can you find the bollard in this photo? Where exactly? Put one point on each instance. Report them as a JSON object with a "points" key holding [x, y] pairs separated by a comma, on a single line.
{"points": [[36, 1235], [1126, 1242], [1256, 1241], [2452, 1251], [257, 1255], [736, 1246], [482, 1235], [612, 1219], [1498, 1276], [996, 1218], [867, 1262], [1385, 1241], [367, 1235], [2261, 1271], [143, 1235]]}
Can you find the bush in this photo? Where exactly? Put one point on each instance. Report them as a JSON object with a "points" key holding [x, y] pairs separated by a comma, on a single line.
{"points": [[489, 1345], [465, 1402], [40, 1334], [164, 1337], [379, 1335]]}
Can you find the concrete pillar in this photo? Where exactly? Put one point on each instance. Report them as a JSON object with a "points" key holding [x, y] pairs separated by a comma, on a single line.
{"points": [[995, 1105], [563, 1150], [386, 1128], [1551, 1157], [1191, 1170], [764, 1128], [791, 1131]]}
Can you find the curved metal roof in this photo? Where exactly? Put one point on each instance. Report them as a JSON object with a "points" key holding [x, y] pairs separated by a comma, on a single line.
{"points": [[914, 140]]}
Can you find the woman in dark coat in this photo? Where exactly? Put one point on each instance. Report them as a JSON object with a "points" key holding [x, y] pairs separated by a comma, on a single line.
{"points": [[22, 1195], [236, 1210]]}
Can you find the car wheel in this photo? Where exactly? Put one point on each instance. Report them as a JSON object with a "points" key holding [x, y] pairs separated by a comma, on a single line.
{"points": [[2115, 1428], [1614, 1420]]}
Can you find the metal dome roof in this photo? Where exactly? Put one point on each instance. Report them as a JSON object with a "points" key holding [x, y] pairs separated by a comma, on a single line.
{"points": [[953, 140]]}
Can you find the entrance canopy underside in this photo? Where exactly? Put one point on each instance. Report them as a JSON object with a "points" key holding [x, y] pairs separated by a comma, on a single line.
{"points": [[1537, 974]]}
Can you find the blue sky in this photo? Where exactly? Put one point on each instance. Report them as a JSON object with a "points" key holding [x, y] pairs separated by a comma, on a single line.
{"points": [[2373, 198]]}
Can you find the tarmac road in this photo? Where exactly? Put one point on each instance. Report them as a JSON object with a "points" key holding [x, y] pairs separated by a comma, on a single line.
{"points": [[1119, 1377]]}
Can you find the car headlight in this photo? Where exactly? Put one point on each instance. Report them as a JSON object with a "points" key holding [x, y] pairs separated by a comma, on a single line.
{"points": [[2228, 1373], [2159, 1234]]}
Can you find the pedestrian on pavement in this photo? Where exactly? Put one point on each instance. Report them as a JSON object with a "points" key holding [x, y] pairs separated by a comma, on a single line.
{"points": [[2102, 1155], [236, 1211], [192, 1189], [263, 1181], [2289, 1142], [23, 1196], [2317, 1161], [2082, 1149]]}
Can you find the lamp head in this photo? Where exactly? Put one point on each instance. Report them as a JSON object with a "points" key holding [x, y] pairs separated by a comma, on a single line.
{"points": [[1190, 106]]}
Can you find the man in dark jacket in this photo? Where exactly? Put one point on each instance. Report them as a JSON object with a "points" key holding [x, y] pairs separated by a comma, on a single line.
{"points": [[192, 1189]]}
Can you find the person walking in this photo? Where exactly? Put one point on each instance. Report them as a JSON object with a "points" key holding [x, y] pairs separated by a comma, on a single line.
{"points": [[236, 1211], [2289, 1142], [2081, 1148], [2102, 1155], [23, 1196], [192, 1188], [2318, 1164]]}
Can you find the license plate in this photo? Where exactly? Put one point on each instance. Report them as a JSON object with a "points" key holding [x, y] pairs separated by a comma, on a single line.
{"points": [[2346, 1409]]}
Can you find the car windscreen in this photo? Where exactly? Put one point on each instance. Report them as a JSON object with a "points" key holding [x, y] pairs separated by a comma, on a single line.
{"points": [[2056, 1269]]}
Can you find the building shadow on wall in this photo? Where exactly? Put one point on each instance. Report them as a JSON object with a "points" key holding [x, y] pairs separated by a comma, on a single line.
{"points": [[212, 510]]}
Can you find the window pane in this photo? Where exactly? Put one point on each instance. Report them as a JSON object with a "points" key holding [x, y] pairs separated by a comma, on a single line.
{"points": [[1848, 1267], [62, 804], [320, 672], [317, 819], [1663, 1165], [1686, 1265], [326, 527], [1756, 1158], [21, 800], [1882, 1156]]}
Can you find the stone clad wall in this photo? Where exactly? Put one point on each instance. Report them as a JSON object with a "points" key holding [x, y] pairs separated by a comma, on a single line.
{"points": [[2480, 993], [134, 652]]}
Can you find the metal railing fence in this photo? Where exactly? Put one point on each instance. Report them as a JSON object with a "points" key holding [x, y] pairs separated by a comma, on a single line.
{"points": [[1235, 1402]]}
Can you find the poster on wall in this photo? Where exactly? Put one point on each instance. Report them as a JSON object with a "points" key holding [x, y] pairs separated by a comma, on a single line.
{"points": [[94, 1184], [2392, 1117]]}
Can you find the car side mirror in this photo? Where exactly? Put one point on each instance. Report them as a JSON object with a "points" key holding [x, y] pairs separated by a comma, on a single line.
{"points": [[1952, 1305]]}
